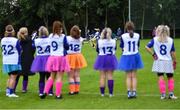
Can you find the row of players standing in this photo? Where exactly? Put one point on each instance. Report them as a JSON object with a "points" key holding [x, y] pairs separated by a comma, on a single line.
{"points": [[106, 61]]}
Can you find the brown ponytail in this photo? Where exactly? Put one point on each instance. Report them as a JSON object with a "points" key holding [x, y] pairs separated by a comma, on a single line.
{"points": [[130, 28]]}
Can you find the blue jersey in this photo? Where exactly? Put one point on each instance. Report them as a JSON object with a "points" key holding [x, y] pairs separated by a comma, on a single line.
{"points": [[130, 45]]}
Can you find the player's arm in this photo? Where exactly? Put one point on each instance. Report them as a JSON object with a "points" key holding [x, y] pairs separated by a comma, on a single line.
{"points": [[18, 47], [65, 43], [149, 46], [173, 55], [121, 43]]}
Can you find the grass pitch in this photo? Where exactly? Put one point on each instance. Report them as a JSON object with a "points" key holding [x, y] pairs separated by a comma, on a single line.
{"points": [[89, 97]]}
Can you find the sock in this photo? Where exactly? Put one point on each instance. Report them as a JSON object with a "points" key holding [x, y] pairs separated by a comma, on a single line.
{"points": [[162, 86], [77, 86], [110, 86], [58, 88], [134, 93], [71, 87], [41, 87], [102, 89], [171, 85], [7, 90], [129, 93], [25, 84], [48, 85], [11, 90]]}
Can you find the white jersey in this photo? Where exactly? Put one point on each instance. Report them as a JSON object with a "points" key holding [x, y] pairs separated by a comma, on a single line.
{"points": [[9, 51], [163, 50], [57, 45], [75, 45], [130, 45], [42, 46], [106, 47]]}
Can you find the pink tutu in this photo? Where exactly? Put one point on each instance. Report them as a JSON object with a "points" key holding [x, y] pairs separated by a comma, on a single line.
{"points": [[57, 64]]}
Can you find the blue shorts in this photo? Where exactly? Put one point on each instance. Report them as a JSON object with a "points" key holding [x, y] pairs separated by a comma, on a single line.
{"points": [[7, 68]]}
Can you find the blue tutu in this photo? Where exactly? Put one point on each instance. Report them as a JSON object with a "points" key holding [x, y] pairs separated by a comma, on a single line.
{"points": [[106, 62], [7, 68], [130, 62]]}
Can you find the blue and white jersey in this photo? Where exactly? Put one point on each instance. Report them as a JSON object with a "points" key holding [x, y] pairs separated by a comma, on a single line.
{"points": [[10, 50], [57, 44], [106, 47], [42, 46], [162, 50], [130, 45], [75, 45]]}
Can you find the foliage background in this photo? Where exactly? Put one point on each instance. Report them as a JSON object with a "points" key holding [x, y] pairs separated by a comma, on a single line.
{"points": [[90, 14]]}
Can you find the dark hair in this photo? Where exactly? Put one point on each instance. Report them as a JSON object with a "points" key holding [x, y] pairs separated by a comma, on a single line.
{"points": [[75, 32], [130, 28], [57, 27]]}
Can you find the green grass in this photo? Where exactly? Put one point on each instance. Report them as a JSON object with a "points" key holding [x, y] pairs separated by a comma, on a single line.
{"points": [[148, 93]]}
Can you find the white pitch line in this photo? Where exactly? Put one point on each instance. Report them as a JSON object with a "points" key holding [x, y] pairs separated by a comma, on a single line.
{"points": [[90, 93]]}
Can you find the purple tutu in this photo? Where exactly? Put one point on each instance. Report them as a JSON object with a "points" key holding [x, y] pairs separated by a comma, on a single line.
{"points": [[39, 64], [106, 62]]}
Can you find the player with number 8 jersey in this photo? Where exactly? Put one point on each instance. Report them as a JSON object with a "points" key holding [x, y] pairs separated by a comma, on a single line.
{"points": [[164, 59]]}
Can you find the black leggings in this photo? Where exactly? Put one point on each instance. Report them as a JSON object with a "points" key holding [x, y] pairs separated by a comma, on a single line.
{"points": [[169, 75], [43, 76], [25, 78]]}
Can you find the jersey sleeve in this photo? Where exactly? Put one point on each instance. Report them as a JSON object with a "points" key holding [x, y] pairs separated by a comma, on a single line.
{"points": [[65, 43], [150, 44], [97, 49], [173, 48], [33, 44], [121, 43], [18, 47], [138, 43]]}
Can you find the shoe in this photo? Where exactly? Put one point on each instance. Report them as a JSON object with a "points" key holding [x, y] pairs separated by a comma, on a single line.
{"points": [[13, 95], [134, 95], [163, 96], [111, 95], [7, 94], [76, 92], [171, 96], [50, 94], [40, 95], [71, 93], [24, 91], [43, 96], [59, 97], [102, 95], [129, 95]]}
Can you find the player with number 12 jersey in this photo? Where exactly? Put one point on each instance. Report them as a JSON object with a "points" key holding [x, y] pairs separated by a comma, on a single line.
{"points": [[76, 59]]}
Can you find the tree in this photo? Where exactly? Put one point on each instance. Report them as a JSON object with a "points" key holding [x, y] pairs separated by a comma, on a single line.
{"points": [[166, 11]]}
